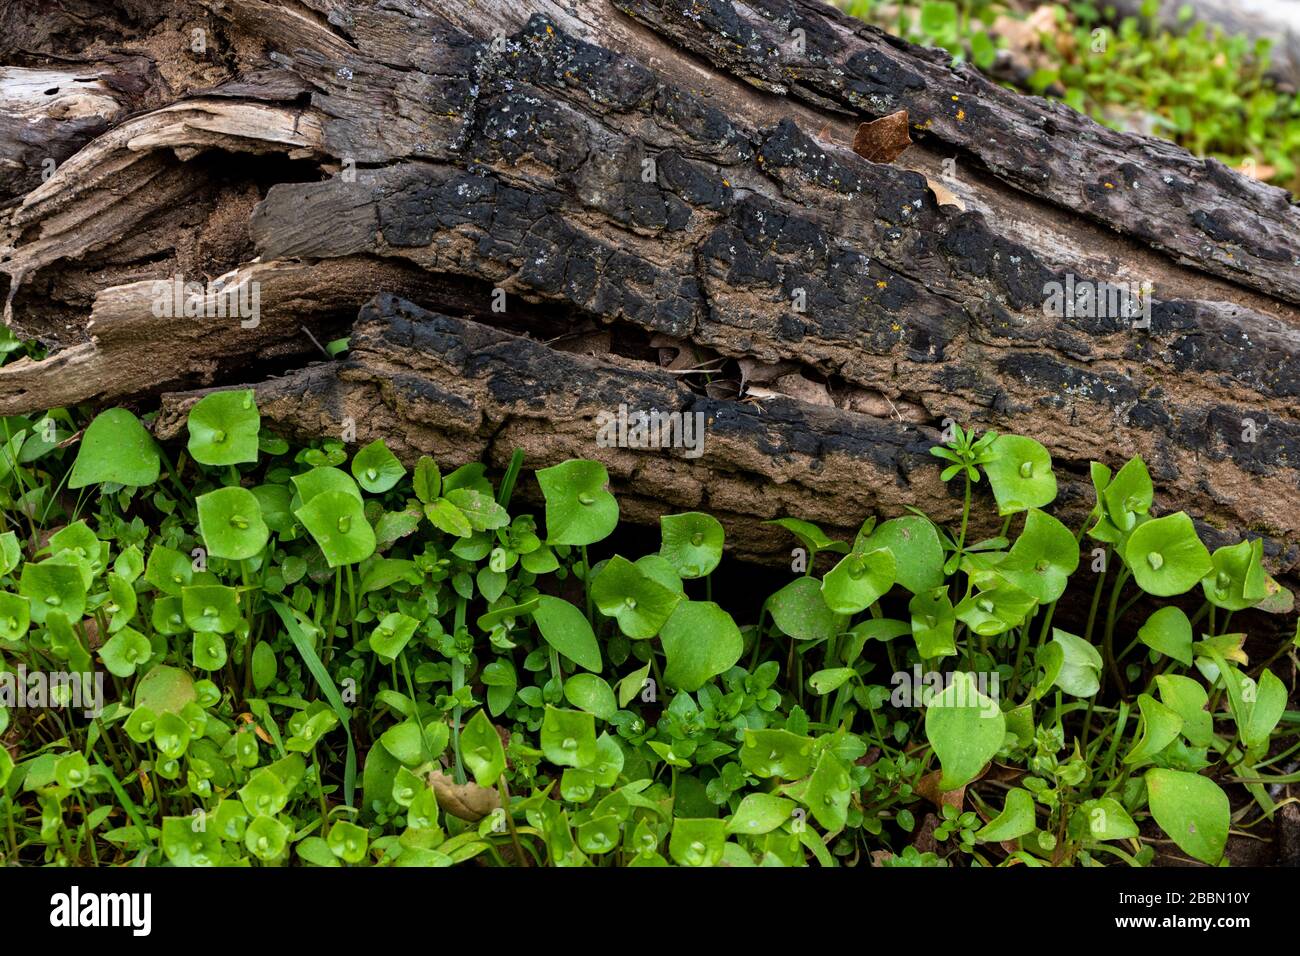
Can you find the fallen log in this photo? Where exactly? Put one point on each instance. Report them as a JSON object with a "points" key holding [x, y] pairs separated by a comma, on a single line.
{"points": [[655, 204]]}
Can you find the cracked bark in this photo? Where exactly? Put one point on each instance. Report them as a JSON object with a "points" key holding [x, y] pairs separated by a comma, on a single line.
{"points": [[642, 174]]}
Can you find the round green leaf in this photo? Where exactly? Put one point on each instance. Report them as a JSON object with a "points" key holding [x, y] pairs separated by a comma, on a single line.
{"points": [[52, 586], [700, 641], [569, 737], [230, 522], [209, 651], [266, 837], [376, 468], [164, 690], [761, 813], [392, 634], [697, 842], [1042, 559], [691, 542], [858, 581], [1020, 474], [578, 508], [210, 608], [1166, 556], [117, 448], [338, 524], [125, 650], [348, 842], [800, 611], [639, 602], [15, 616], [223, 428]]}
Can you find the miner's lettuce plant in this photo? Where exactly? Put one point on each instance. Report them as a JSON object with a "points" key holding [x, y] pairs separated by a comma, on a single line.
{"points": [[318, 658]]}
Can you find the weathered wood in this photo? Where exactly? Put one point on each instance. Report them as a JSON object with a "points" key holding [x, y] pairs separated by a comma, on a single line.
{"points": [[673, 173]]}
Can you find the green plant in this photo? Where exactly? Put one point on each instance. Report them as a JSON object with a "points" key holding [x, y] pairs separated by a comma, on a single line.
{"points": [[323, 666]]}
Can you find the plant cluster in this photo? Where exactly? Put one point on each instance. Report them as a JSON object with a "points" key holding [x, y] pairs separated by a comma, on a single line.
{"points": [[326, 659], [1208, 92]]}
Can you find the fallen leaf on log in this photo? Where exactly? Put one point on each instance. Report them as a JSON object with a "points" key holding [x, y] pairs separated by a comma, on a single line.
{"points": [[883, 140]]}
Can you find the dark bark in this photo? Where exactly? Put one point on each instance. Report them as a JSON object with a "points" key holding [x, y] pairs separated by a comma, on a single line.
{"points": [[663, 182]]}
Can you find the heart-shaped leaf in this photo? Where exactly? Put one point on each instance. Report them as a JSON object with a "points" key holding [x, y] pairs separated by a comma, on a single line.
{"points": [[480, 747], [700, 641], [1169, 631], [1192, 809], [117, 448], [578, 508], [965, 728]]}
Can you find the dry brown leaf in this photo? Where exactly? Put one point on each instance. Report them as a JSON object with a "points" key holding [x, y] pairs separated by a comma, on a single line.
{"points": [[883, 140], [928, 787], [468, 801], [804, 389], [943, 195]]}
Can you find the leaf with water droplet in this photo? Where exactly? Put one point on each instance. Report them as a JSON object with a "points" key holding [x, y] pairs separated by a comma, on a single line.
{"points": [[337, 522], [223, 428]]}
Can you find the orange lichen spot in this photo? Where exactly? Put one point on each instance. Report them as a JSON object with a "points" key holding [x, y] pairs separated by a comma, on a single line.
{"points": [[549, 29], [961, 115], [881, 283]]}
